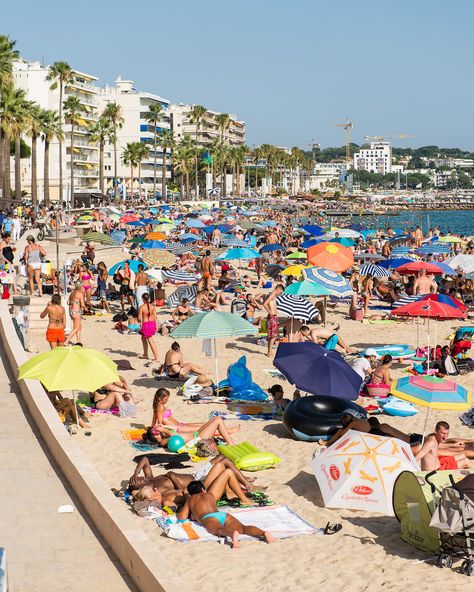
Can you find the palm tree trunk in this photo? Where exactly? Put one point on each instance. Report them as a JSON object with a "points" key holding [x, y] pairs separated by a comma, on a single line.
{"points": [[2, 171], [61, 89], [7, 193], [71, 203], [223, 181], [163, 174], [101, 167], [34, 170], [131, 180], [256, 178], [197, 184], [139, 179], [18, 167], [186, 178], [46, 173], [115, 165], [154, 160]]}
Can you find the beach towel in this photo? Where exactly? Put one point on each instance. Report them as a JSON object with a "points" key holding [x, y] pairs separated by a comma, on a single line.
{"points": [[86, 405], [235, 415], [281, 521], [133, 434], [142, 447], [166, 460], [247, 408]]}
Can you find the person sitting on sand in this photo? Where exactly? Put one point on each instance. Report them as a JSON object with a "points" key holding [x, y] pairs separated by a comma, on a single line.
{"points": [[276, 391], [66, 407], [434, 454], [175, 366], [201, 506], [382, 374], [208, 301], [182, 312], [161, 434], [325, 337], [112, 395]]}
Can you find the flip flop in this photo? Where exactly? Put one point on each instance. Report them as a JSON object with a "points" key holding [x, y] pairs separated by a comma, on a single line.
{"points": [[332, 528]]}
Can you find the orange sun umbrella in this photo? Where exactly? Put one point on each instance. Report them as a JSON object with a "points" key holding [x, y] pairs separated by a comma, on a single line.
{"points": [[331, 256], [155, 236]]}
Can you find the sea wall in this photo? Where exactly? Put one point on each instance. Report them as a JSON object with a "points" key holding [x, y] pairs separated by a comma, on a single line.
{"points": [[146, 567]]}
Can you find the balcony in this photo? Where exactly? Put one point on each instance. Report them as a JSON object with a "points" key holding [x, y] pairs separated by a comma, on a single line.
{"points": [[85, 174], [85, 144], [83, 85], [83, 159]]}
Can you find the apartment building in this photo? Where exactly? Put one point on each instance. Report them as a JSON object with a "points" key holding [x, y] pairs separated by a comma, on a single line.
{"points": [[208, 127], [375, 159], [136, 128], [32, 77]]}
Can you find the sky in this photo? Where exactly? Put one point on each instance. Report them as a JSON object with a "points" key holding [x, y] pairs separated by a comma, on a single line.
{"points": [[291, 70]]}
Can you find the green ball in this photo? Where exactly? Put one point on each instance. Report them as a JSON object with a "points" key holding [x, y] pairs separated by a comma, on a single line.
{"points": [[175, 443]]}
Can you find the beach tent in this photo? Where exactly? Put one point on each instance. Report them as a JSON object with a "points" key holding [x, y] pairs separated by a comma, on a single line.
{"points": [[358, 471]]}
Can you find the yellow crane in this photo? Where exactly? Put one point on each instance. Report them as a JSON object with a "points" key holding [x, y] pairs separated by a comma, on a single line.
{"points": [[390, 137], [347, 125]]}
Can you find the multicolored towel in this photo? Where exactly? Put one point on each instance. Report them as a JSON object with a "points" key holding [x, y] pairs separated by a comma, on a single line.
{"points": [[133, 434], [281, 521], [142, 447], [248, 408], [234, 415], [86, 405]]}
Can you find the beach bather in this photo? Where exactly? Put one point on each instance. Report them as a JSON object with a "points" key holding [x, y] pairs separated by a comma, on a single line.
{"points": [[175, 366], [201, 506], [161, 434], [435, 455], [329, 339]]}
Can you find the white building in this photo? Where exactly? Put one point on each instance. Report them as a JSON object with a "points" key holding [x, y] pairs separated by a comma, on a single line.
{"points": [[135, 128], [31, 76], [327, 174], [208, 127], [375, 159]]}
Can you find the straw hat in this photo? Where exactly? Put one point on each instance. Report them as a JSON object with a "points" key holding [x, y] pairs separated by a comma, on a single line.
{"points": [[203, 380]]}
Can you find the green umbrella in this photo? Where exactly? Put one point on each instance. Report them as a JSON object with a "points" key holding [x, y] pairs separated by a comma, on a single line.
{"points": [[98, 237], [297, 255], [449, 238], [307, 288], [212, 325]]}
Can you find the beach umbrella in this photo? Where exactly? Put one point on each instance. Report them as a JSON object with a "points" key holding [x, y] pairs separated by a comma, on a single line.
{"points": [[370, 257], [159, 257], [307, 288], [214, 325], [337, 284], [179, 276], [463, 262], [194, 223], [373, 270], [344, 233], [331, 256], [239, 253], [398, 240], [405, 300], [98, 237], [155, 236], [416, 266], [313, 229], [153, 244], [445, 299], [297, 255], [70, 369], [343, 240], [165, 227], [188, 236], [118, 236], [445, 268], [136, 223], [128, 218], [432, 391], [433, 249], [294, 270], [359, 470], [272, 247], [316, 370], [274, 271], [233, 242], [449, 238], [296, 307], [311, 242], [268, 223], [179, 248], [181, 292], [245, 224], [400, 251], [163, 220], [394, 263], [133, 266], [432, 309]]}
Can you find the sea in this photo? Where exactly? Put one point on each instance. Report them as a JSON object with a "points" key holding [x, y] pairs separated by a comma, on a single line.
{"points": [[449, 221]]}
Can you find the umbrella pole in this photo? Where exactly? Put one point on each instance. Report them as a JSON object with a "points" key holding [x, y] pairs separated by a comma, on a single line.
{"points": [[217, 362], [426, 423], [74, 399], [428, 356], [325, 310], [417, 333]]}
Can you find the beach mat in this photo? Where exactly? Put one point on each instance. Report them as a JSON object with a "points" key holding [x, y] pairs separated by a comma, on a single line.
{"points": [[166, 460], [236, 416], [85, 404], [281, 521], [133, 434], [144, 447], [251, 408]]}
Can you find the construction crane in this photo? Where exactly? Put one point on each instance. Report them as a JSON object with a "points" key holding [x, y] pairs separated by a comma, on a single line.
{"points": [[347, 125], [314, 145], [390, 137]]}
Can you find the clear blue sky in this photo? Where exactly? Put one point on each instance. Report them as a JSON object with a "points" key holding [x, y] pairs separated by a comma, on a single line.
{"points": [[290, 69]]}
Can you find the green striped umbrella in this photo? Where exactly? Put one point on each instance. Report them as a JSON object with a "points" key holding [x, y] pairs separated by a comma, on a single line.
{"points": [[212, 325], [98, 237]]}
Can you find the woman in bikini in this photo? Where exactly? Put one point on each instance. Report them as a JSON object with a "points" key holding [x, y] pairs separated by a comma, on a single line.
{"points": [[32, 256], [381, 374], [161, 434], [102, 285], [85, 277], [57, 321], [76, 304], [174, 364], [148, 320], [112, 395]]}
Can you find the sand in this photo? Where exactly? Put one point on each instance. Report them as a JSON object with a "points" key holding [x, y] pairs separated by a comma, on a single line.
{"points": [[367, 554]]}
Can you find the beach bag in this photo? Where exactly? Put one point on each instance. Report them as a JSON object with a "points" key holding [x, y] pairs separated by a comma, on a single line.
{"points": [[207, 447], [128, 409], [378, 390], [117, 277], [357, 314], [450, 366]]}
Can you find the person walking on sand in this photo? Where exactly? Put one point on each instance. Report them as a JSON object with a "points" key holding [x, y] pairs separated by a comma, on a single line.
{"points": [[147, 319], [76, 303], [201, 506], [32, 256], [57, 321], [207, 268], [269, 305]]}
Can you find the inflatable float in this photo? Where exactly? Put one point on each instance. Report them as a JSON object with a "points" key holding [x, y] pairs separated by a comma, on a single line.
{"points": [[397, 407], [316, 417], [397, 351]]}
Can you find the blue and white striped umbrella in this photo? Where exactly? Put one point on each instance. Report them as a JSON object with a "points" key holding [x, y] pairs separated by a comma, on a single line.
{"points": [[193, 223], [337, 284], [291, 305], [188, 236], [213, 191], [405, 300], [373, 270], [178, 249], [181, 292], [179, 276], [233, 242], [435, 249], [399, 251]]}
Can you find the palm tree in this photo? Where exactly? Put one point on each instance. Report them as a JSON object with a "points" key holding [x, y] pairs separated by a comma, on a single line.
{"points": [[257, 156], [142, 152], [72, 110], [183, 159], [166, 141], [34, 131], [113, 114], [7, 56], [223, 122], [153, 116], [215, 150], [195, 116], [131, 156], [50, 128], [60, 73], [237, 158], [20, 125], [98, 133]]}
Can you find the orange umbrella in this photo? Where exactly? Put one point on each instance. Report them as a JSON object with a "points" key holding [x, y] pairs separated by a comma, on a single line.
{"points": [[155, 236], [331, 256]]}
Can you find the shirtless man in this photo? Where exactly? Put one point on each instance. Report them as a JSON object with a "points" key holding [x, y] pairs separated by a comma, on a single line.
{"points": [[207, 268], [418, 237], [273, 331], [424, 284], [204, 301], [321, 335], [201, 506], [142, 281], [434, 455], [57, 322]]}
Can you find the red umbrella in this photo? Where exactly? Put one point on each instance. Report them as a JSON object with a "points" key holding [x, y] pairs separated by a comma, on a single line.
{"points": [[416, 266], [432, 309], [445, 299]]}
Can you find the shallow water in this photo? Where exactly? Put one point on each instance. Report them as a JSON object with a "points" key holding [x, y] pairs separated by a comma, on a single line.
{"points": [[456, 221]]}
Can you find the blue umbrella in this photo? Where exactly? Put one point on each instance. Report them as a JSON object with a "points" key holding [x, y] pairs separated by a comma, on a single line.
{"points": [[133, 266], [239, 253], [118, 236], [272, 247], [268, 223], [342, 240], [233, 242], [153, 244], [314, 369], [334, 282], [447, 270], [195, 224], [313, 229], [135, 223], [400, 251], [311, 242], [394, 263], [435, 249], [188, 236]]}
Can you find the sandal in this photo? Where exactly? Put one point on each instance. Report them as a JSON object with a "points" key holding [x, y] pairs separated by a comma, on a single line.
{"points": [[332, 528]]}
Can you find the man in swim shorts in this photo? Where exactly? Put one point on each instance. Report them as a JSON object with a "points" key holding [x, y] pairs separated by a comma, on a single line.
{"points": [[273, 330], [207, 267], [435, 456], [201, 506]]}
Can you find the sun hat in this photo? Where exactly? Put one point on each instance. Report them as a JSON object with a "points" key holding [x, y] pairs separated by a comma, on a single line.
{"points": [[371, 352]]}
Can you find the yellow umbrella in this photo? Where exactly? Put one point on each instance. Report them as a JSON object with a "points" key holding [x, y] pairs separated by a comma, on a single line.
{"points": [[294, 270]]}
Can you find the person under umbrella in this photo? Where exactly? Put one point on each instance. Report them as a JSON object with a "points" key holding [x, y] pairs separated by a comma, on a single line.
{"points": [[325, 337]]}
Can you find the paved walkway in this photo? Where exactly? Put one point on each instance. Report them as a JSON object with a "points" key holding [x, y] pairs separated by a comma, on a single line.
{"points": [[45, 550]]}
